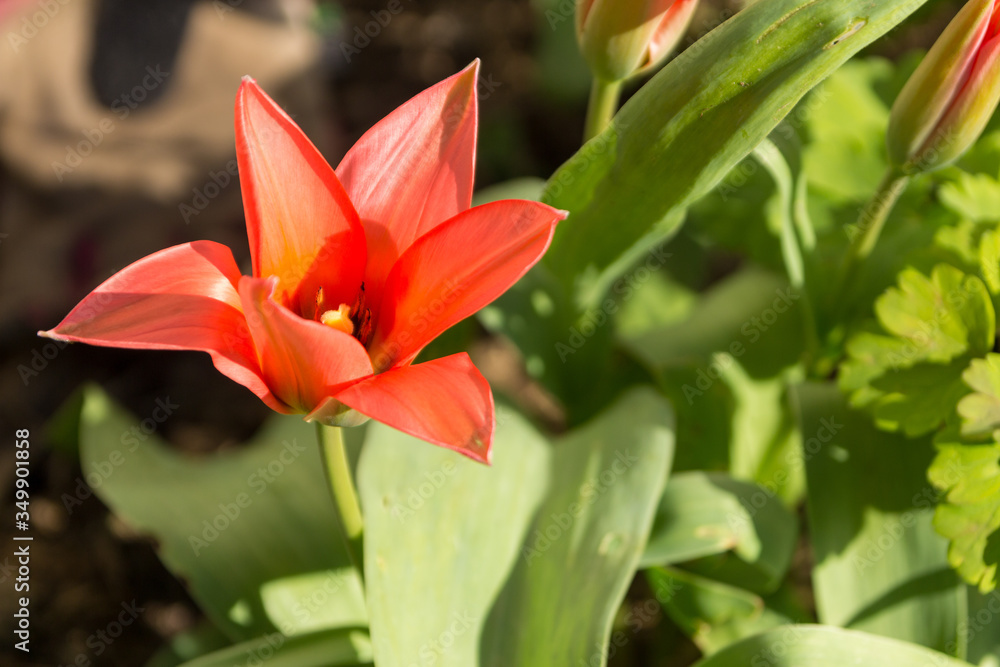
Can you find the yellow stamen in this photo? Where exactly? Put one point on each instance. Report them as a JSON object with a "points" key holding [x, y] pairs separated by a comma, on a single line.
{"points": [[339, 319]]}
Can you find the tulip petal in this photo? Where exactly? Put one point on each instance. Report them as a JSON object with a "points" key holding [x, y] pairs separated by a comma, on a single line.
{"points": [[669, 32], [445, 401], [300, 221], [414, 169], [302, 361], [180, 298], [925, 99], [974, 105], [456, 269]]}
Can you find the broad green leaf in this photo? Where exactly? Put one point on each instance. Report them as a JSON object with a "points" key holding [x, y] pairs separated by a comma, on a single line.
{"points": [[844, 159], [200, 640], [659, 302], [332, 648], [723, 367], [703, 514], [714, 615], [521, 563], [561, 352], [302, 603], [823, 646], [704, 408], [969, 516], [766, 446], [975, 197], [980, 410], [442, 534], [753, 316], [696, 119], [984, 618], [560, 601], [226, 524], [880, 567]]}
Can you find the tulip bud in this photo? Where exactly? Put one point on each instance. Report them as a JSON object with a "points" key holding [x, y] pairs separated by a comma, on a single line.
{"points": [[952, 95], [620, 38]]}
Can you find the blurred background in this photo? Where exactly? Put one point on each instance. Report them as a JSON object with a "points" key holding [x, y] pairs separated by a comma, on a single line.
{"points": [[116, 140]]}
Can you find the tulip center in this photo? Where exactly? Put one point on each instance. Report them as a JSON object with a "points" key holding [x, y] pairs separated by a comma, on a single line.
{"points": [[339, 319], [354, 320]]}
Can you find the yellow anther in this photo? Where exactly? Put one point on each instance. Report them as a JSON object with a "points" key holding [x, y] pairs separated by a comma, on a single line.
{"points": [[339, 319]]}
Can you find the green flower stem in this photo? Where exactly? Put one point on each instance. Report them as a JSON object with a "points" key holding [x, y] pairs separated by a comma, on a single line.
{"points": [[867, 231], [874, 215], [604, 96], [345, 496]]}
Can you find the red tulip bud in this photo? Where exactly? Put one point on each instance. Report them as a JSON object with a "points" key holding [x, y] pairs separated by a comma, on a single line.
{"points": [[620, 38], [948, 101]]}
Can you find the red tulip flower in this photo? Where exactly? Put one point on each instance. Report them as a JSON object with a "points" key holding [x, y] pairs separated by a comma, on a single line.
{"points": [[354, 271]]}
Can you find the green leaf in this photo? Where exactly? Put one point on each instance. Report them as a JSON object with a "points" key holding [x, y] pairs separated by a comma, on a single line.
{"points": [[201, 640], [911, 378], [765, 446], [226, 524], [703, 514], [302, 604], [521, 563], [943, 316], [714, 615], [336, 648], [989, 260], [919, 400], [843, 159], [975, 197], [795, 232], [822, 646], [969, 475], [880, 567], [696, 119], [752, 315], [980, 411]]}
